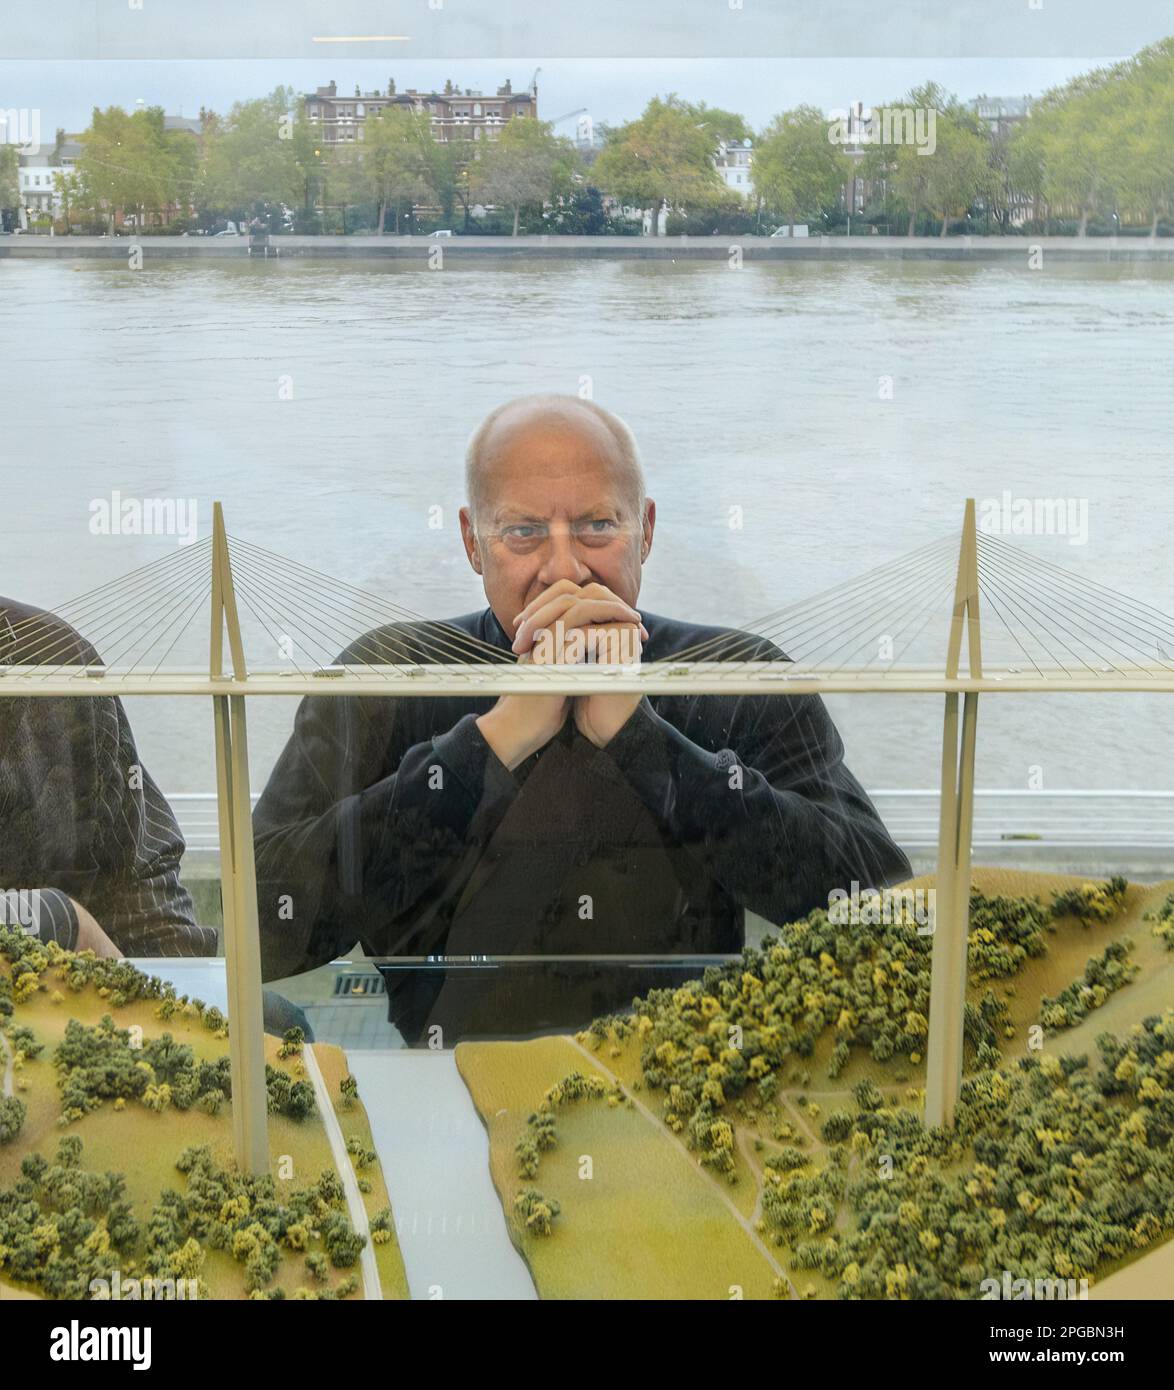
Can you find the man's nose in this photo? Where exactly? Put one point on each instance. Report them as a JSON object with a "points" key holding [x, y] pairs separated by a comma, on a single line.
{"points": [[562, 560]]}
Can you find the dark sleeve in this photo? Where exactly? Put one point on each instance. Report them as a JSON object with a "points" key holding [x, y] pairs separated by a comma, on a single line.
{"points": [[138, 900], [46, 913], [354, 828], [771, 813]]}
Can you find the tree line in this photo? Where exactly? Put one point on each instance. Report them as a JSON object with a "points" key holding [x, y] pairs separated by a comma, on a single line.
{"points": [[1092, 155]]}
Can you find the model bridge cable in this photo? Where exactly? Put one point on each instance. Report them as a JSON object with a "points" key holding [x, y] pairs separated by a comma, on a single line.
{"points": [[1042, 628], [840, 628], [1038, 619], [135, 624], [1058, 623]]}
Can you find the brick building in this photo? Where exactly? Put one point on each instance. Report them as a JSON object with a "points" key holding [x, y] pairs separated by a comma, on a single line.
{"points": [[455, 114]]}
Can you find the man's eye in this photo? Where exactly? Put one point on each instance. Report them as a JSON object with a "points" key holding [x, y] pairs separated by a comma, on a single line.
{"points": [[522, 533]]}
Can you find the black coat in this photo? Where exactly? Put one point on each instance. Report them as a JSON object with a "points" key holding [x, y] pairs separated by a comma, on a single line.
{"points": [[390, 822], [81, 820]]}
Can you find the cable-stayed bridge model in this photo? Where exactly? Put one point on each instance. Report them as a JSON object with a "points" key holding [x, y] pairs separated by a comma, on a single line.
{"points": [[959, 619]]}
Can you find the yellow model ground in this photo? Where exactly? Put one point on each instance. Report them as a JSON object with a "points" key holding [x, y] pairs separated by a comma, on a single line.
{"points": [[144, 1145], [652, 1223], [619, 1235]]}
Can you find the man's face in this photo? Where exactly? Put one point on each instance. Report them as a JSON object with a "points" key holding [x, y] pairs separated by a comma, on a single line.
{"points": [[555, 503]]}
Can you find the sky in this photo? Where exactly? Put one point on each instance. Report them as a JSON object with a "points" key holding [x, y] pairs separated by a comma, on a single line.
{"points": [[607, 29], [758, 57], [65, 91]]}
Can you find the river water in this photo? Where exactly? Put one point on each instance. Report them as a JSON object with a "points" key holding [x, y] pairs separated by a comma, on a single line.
{"points": [[846, 410]]}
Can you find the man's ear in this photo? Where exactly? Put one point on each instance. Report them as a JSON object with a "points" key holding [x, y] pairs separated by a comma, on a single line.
{"points": [[648, 527], [469, 536]]}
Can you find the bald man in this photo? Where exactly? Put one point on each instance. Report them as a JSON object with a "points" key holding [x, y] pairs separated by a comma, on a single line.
{"points": [[585, 831]]}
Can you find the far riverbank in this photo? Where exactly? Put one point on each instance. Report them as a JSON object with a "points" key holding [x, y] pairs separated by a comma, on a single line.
{"points": [[1005, 250]]}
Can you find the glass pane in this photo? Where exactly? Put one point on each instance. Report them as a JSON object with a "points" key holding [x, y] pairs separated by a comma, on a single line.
{"points": [[586, 653]]}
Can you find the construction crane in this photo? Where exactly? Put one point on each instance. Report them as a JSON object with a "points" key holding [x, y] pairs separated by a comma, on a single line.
{"points": [[581, 137], [578, 111]]}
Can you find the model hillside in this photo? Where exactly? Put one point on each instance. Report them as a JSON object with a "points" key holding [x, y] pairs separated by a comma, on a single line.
{"points": [[759, 1132], [116, 1172]]}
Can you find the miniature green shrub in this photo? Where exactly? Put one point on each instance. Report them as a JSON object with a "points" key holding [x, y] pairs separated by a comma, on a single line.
{"points": [[1092, 902]]}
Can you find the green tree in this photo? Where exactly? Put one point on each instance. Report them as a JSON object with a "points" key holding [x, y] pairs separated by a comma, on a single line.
{"points": [[265, 151], [12, 1113], [943, 176], [344, 184], [719, 124], [1144, 120], [528, 165], [397, 161], [797, 171], [132, 165], [1069, 151], [343, 1245], [9, 180], [665, 156], [959, 172]]}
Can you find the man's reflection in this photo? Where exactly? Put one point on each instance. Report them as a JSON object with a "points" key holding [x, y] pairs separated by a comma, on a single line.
{"points": [[542, 824], [85, 834]]}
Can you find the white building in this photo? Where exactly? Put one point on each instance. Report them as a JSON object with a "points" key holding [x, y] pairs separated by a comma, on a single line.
{"points": [[733, 164], [37, 175]]}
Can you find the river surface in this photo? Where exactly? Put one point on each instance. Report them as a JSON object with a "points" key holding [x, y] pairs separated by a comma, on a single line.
{"points": [[846, 410]]}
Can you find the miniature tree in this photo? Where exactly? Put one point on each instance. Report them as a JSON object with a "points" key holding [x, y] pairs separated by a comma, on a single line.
{"points": [[536, 1211], [23, 1040], [12, 1115], [343, 1245], [382, 1226]]}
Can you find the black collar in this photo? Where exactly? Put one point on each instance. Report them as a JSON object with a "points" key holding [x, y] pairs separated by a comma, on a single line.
{"points": [[494, 633]]}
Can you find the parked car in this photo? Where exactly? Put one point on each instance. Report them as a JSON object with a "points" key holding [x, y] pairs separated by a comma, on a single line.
{"points": [[443, 232]]}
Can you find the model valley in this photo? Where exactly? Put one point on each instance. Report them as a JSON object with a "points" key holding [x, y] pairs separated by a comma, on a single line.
{"points": [[116, 1172], [758, 1133]]}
